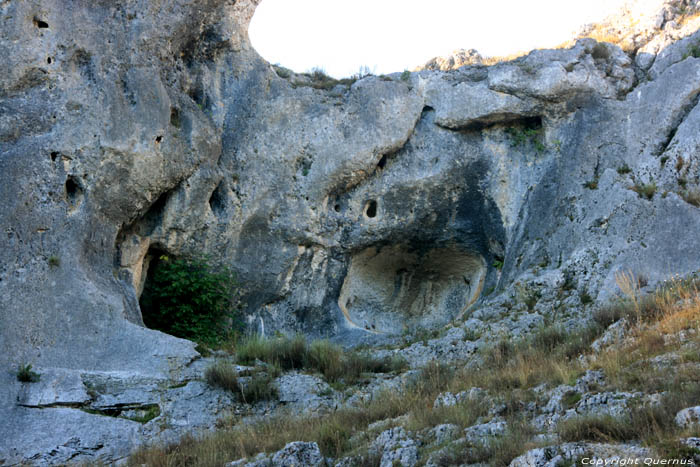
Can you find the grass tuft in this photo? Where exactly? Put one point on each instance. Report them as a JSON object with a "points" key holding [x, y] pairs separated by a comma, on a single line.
{"points": [[259, 386], [293, 353], [644, 190]]}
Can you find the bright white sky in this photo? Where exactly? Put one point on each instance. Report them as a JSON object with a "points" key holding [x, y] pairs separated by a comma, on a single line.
{"points": [[340, 36]]}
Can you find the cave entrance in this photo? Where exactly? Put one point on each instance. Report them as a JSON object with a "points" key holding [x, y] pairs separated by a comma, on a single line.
{"points": [[147, 290], [189, 297], [389, 288]]}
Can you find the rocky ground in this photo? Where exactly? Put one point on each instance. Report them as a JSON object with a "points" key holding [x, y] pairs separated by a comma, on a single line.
{"points": [[528, 395]]}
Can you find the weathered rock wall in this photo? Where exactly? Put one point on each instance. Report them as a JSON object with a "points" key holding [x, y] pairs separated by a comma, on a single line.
{"points": [[133, 128]]}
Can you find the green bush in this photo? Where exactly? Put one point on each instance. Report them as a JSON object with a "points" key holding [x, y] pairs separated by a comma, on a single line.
{"points": [[192, 299]]}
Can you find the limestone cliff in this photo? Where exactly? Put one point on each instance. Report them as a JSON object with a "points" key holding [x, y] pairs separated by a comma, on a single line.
{"points": [[133, 128]]}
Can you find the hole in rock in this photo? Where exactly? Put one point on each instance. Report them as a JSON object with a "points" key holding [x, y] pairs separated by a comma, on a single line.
{"points": [[382, 162], [175, 117], [74, 191], [218, 200], [159, 138], [371, 209], [40, 24], [337, 208], [395, 286], [149, 288], [54, 156], [48, 60]]}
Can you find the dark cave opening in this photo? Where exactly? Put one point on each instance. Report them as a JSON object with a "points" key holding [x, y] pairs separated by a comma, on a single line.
{"points": [[219, 200], [371, 209], [149, 296], [74, 191]]}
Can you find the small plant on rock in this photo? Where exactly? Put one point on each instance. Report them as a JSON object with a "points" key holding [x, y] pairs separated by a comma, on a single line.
{"points": [[691, 197], [624, 169], [693, 51], [26, 375], [591, 184], [645, 190], [527, 295], [525, 136]]}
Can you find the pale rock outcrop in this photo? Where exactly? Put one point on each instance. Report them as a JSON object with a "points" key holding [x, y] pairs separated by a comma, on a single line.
{"points": [[494, 194]]}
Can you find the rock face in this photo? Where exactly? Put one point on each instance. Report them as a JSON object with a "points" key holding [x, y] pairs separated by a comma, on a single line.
{"points": [[355, 212]]}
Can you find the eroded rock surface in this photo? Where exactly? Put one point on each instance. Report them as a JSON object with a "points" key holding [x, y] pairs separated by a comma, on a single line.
{"points": [[358, 212]]}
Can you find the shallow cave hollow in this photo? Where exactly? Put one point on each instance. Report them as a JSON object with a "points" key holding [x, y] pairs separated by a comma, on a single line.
{"points": [[391, 287]]}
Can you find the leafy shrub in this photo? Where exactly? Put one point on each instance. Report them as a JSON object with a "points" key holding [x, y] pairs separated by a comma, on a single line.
{"points": [[26, 375], [192, 299]]}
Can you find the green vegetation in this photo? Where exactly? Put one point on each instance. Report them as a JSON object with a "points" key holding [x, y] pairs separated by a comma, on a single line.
{"points": [[527, 295], [648, 423], [258, 386], [146, 415], [191, 298], [691, 197], [570, 399], [54, 261], [26, 375], [406, 75], [294, 353], [526, 136], [693, 51], [498, 264], [585, 298], [282, 72], [644, 190], [624, 169], [318, 79], [591, 184]]}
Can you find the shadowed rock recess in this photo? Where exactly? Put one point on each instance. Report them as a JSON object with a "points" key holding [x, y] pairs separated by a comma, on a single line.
{"points": [[131, 129]]}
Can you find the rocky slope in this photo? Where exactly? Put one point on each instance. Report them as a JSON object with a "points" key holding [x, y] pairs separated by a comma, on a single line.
{"points": [[356, 211]]}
